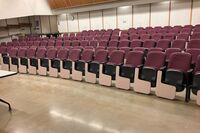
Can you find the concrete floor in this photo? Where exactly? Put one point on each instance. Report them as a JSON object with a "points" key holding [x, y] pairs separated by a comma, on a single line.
{"points": [[53, 105]]}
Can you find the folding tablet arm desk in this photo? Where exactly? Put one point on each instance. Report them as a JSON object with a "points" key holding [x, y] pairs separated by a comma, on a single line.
{"points": [[4, 74]]}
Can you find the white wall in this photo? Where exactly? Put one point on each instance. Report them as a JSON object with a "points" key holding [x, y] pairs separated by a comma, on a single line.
{"points": [[124, 17], [196, 12], [62, 23], [141, 14], [109, 18], [180, 12], [83, 20], [96, 20], [160, 14]]}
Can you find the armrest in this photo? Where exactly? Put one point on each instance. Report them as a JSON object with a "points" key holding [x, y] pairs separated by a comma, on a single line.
{"points": [[190, 71], [163, 68], [150, 68]]}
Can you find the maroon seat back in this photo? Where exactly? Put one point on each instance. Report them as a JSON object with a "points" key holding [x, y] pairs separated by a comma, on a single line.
{"points": [[51, 53], [194, 43], [124, 43], [84, 43], [59, 43], [41, 53], [113, 43], [164, 44], [87, 55], [195, 36], [197, 67], [156, 36], [155, 60], [179, 43], [180, 61], [62, 54], [36, 43], [75, 43], [101, 56], [93, 43], [184, 36], [149, 43], [170, 51], [13, 52], [103, 43], [135, 58], [74, 54], [134, 36], [31, 52], [145, 36], [194, 53], [44, 43], [136, 43], [116, 61], [22, 52]]}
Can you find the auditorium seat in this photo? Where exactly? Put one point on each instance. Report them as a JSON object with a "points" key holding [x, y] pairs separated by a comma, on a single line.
{"points": [[56, 64], [43, 43], [164, 44], [195, 82], [31, 54], [84, 43], [103, 43], [155, 49], [124, 43], [93, 43], [194, 43], [134, 36], [169, 36], [59, 43], [149, 43], [67, 43], [126, 51], [145, 78], [92, 68], [78, 67], [125, 73], [170, 51], [113, 43], [75, 43], [145, 36], [184, 36], [179, 43], [107, 71], [36, 43], [136, 43], [10, 62], [195, 36], [175, 77], [44, 63], [194, 53], [74, 55], [22, 60]]}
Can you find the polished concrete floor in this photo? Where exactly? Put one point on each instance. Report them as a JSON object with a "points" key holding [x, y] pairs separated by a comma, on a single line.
{"points": [[53, 105]]}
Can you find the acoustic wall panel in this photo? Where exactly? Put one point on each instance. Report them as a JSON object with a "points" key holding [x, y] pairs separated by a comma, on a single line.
{"points": [[109, 18], [73, 23], [124, 17], [84, 23], [196, 12], [96, 20], [141, 15]]}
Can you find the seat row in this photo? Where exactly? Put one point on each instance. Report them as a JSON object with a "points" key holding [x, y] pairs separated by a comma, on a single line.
{"points": [[153, 70], [148, 43]]}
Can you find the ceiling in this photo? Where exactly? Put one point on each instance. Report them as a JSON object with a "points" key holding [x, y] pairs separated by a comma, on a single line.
{"points": [[59, 4]]}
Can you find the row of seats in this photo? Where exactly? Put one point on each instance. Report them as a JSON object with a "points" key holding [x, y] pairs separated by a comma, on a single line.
{"points": [[140, 32], [145, 71], [163, 44]]}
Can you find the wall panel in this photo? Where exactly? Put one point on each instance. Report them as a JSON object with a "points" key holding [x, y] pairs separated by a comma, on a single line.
{"points": [[180, 12], [53, 23], [73, 24], [96, 20], [45, 24], [141, 15], [160, 14], [62, 23], [196, 12], [124, 17], [109, 18], [84, 22]]}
